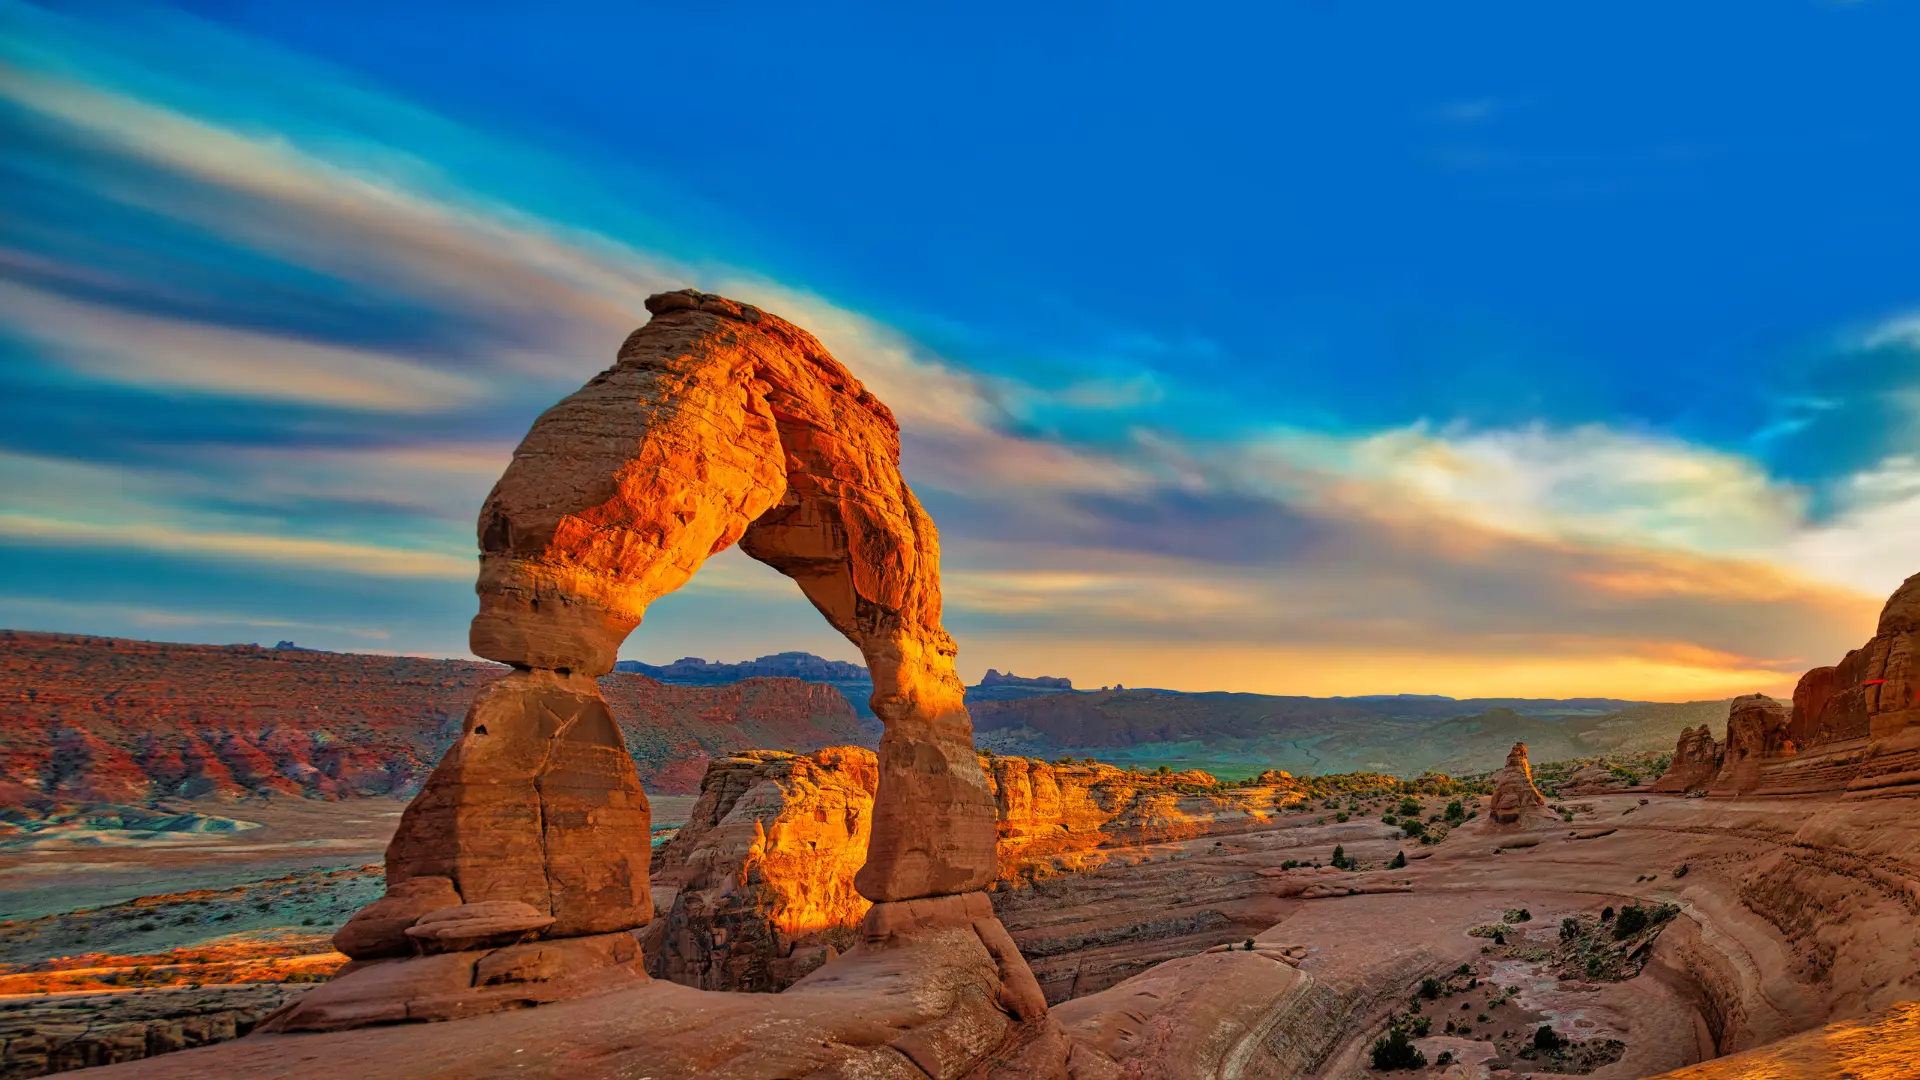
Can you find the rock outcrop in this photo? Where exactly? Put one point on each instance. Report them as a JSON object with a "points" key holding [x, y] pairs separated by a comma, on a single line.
{"points": [[87, 720], [1756, 733], [762, 875], [1696, 761], [1514, 797], [1851, 728], [718, 424], [1592, 780]]}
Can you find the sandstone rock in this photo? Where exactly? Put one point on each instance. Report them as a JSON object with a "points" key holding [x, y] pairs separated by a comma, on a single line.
{"points": [[484, 925], [764, 870], [718, 423], [764, 867], [537, 803], [1756, 732], [451, 985], [1696, 761], [1592, 780], [378, 930], [1514, 795]]}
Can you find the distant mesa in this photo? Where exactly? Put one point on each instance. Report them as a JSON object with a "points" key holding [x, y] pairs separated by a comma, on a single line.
{"points": [[1046, 682], [781, 665]]}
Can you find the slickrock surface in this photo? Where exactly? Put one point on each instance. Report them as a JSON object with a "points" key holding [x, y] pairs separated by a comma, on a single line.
{"points": [[1696, 761], [1515, 799], [87, 720], [1884, 1046], [1792, 913]]}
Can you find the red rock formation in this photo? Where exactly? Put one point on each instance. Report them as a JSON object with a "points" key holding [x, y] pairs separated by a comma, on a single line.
{"points": [[718, 424], [1756, 733], [1696, 761], [763, 870], [85, 720], [1592, 780], [1514, 796]]}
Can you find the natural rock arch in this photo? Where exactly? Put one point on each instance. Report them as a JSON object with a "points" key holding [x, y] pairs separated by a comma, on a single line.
{"points": [[718, 424]]}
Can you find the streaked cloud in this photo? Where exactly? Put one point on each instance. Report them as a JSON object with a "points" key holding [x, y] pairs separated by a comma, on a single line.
{"points": [[417, 320], [119, 346]]}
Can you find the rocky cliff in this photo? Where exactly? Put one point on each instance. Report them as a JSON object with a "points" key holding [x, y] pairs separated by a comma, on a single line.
{"points": [[1851, 728], [761, 876], [87, 719]]}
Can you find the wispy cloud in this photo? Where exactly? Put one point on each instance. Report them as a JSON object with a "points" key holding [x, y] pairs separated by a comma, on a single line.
{"points": [[117, 346]]}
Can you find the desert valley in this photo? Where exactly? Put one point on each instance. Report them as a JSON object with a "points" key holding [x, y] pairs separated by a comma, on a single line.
{"points": [[247, 862]]}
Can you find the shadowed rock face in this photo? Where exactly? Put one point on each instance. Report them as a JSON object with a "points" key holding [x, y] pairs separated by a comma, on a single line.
{"points": [[1756, 732], [1513, 791], [1696, 761], [718, 424], [1852, 727]]}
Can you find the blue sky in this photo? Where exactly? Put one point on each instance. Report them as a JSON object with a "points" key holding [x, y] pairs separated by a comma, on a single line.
{"points": [[1550, 349]]}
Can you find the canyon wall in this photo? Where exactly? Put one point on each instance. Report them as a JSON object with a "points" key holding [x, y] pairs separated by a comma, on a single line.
{"points": [[88, 719], [761, 876], [1853, 727]]}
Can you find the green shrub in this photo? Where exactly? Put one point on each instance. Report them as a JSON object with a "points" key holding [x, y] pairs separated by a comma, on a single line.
{"points": [[1399, 860], [1456, 811], [1430, 988], [1394, 1051], [1631, 920], [1569, 928]]}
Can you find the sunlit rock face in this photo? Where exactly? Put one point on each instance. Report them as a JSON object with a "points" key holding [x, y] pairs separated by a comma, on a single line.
{"points": [[763, 870], [1514, 795], [762, 875], [718, 424]]}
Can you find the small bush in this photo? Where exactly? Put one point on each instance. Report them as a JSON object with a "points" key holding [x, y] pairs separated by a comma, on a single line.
{"points": [[1456, 811], [1409, 808], [1395, 1051], [1389, 819], [1569, 928], [1606, 913], [1399, 861], [1341, 816], [1339, 857], [1430, 988], [1413, 827], [1631, 920], [1420, 1025], [1249, 944], [1547, 1039], [1517, 915], [1445, 1058]]}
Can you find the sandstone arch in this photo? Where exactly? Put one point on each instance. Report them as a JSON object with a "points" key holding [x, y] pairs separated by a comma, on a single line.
{"points": [[717, 424]]}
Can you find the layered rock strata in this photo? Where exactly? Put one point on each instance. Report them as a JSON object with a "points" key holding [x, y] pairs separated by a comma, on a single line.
{"points": [[1514, 798], [761, 878], [1851, 728], [718, 424]]}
